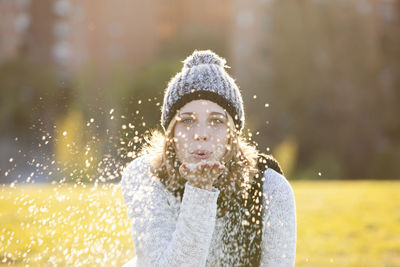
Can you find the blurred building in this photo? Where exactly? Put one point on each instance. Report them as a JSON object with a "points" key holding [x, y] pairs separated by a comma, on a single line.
{"points": [[72, 33], [75, 33], [250, 33], [14, 23], [250, 44]]}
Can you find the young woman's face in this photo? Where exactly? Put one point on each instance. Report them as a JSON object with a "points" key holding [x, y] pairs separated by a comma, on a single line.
{"points": [[201, 132]]}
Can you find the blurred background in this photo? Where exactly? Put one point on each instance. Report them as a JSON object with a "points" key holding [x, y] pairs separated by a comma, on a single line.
{"points": [[81, 82], [81, 86]]}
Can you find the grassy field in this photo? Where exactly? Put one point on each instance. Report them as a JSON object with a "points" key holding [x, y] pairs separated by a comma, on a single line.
{"points": [[339, 224]]}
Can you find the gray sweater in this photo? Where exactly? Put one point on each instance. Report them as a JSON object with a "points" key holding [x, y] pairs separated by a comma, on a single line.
{"points": [[168, 232]]}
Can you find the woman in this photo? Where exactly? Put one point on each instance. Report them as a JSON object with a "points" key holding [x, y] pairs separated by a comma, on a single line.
{"points": [[200, 195]]}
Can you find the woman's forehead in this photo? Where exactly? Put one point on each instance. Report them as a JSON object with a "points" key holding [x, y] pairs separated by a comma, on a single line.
{"points": [[202, 106]]}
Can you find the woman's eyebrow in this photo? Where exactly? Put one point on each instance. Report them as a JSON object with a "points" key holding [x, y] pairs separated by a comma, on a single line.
{"points": [[218, 113], [186, 113], [211, 113]]}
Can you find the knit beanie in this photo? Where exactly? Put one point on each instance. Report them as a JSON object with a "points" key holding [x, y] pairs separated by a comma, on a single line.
{"points": [[203, 77]]}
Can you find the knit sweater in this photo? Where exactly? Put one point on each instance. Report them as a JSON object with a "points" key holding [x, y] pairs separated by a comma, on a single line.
{"points": [[170, 232]]}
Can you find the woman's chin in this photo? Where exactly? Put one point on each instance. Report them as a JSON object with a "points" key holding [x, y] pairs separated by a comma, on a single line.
{"points": [[196, 158]]}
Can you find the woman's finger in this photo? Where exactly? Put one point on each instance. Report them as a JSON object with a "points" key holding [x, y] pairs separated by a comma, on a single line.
{"points": [[183, 170], [205, 169]]}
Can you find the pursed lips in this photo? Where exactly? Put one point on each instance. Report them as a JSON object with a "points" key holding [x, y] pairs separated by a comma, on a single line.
{"points": [[201, 152]]}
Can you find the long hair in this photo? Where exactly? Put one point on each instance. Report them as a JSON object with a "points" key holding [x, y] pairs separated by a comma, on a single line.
{"points": [[240, 191]]}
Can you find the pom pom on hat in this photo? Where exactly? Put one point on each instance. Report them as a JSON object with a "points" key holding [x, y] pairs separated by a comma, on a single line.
{"points": [[204, 57]]}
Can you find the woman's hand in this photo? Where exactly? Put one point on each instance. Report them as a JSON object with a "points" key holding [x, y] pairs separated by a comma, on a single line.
{"points": [[201, 174]]}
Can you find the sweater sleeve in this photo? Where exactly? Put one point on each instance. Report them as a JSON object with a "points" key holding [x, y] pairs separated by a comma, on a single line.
{"points": [[162, 237], [279, 233]]}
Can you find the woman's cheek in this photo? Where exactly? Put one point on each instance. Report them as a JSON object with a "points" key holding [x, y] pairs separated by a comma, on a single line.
{"points": [[219, 150], [182, 149]]}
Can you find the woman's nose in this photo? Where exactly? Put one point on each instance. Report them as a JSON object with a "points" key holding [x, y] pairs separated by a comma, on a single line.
{"points": [[200, 137], [201, 133]]}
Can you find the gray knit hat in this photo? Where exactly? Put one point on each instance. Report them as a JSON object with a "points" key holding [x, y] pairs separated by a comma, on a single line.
{"points": [[203, 77]]}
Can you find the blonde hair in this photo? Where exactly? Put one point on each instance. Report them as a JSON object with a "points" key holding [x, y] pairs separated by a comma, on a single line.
{"points": [[240, 160]]}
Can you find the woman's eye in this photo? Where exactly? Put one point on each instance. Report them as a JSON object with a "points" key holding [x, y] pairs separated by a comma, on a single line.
{"points": [[216, 121], [187, 120], [213, 121]]}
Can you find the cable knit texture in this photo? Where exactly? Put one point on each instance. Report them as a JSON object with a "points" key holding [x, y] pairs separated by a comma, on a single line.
{"points": [[203, 76], [168, 232]]}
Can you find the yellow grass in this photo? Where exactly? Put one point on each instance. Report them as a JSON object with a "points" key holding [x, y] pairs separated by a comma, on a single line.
{"points": [[339, 224], [348, 223], [74, 226]]}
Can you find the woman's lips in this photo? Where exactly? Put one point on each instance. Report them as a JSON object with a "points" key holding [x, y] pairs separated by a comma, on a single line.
{"points": [[201, 154]]}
